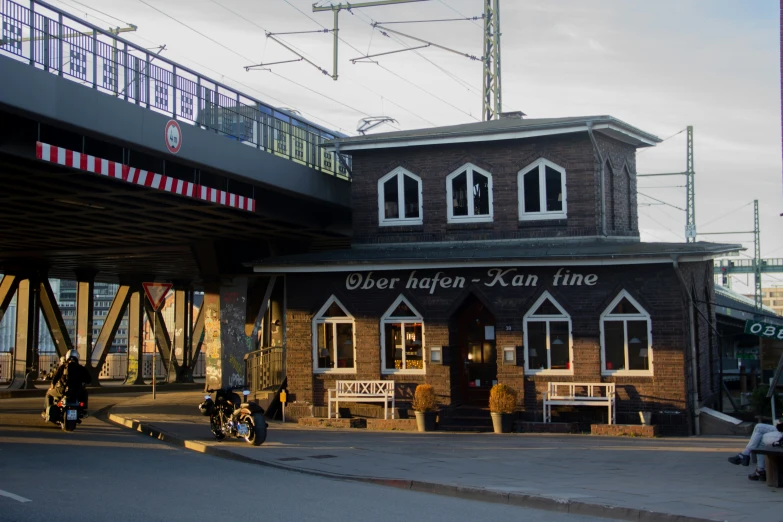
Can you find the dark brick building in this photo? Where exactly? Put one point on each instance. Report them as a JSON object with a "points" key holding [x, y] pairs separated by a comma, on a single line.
{"points": [[504, 251]]}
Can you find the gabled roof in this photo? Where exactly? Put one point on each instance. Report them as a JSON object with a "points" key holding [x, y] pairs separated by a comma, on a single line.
{"points": [[502, 129]]}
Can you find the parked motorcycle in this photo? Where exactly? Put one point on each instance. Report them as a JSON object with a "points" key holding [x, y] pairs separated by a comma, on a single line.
{"points": [[230, 416]]}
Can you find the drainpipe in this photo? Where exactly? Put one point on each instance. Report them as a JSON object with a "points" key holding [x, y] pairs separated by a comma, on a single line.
{"points": [[692, 340], [603, 190]]}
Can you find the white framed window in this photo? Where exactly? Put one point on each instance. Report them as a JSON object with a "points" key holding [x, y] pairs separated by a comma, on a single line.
{"points": [[400, 199], [626, 338], [542, 191], [548, 340], [334, 340], [402, 339], [469, 195]]}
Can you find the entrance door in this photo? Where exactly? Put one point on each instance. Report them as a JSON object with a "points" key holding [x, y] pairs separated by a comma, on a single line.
{"points": [[478, 355]]}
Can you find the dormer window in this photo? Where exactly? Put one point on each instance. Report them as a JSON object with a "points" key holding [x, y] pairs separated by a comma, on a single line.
{"points": [[399, 199], [469, 195], [542, 191]]}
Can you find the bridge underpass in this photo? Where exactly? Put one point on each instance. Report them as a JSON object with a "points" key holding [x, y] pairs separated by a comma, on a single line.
{"points": [[247, 181]]}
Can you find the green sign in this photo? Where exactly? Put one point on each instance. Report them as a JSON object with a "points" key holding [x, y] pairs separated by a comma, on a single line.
{"points": [[766, 330]]}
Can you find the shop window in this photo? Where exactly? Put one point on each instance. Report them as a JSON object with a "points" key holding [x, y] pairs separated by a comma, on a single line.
{"points": [[626, 338], [542, 191], [548, 341], [400, 199], [402, 339], [333, 339], [469, 195]]}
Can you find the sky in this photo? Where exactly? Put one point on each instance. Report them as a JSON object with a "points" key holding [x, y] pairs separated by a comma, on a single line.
{"points": [[660, 66]]}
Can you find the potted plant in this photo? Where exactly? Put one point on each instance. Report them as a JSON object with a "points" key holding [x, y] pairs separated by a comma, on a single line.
{"points": [[502, 403], [425, 406]]}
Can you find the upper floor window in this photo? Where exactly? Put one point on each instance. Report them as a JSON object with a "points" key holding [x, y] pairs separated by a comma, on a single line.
{"points": [[469, 194], [402, 339], [626, 338], [399, 198], [333, 339], [542, 191], [548, 345]]}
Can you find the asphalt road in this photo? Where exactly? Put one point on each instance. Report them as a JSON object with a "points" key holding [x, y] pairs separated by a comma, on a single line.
{"points": [[103, 472]]}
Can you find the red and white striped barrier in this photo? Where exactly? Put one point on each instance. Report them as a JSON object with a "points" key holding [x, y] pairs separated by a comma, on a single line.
{"points": [[144, 178]]}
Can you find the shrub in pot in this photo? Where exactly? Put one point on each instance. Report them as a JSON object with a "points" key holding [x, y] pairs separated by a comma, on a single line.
{"points": [[425, 406], [502, 403]]}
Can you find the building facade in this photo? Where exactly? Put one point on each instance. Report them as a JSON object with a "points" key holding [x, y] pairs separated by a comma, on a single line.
{"points": [[504, 251]]}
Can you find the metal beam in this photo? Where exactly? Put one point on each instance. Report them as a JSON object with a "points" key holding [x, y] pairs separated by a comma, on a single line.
{"points": [[363, 4], [85, 287], [181, 334], [54, 318], [162, 341], [757, 254], [491, 96], [8, 287], [690, 202], [108, 331], [197, 340], [135, 336], [25, 347]]}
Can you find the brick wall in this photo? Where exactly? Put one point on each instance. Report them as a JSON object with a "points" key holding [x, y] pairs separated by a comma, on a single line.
{"points": [[503, 159], [655, 287]]}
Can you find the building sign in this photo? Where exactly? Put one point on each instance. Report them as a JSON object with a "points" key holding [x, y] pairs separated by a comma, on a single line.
{"points": [[495, 277], [762, 329]]}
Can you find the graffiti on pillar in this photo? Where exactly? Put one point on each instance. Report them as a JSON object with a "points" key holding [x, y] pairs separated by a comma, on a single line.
{"points": [[212, 340], [233, 312]]}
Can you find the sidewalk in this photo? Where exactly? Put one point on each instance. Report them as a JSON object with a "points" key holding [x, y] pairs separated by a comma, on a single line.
{"points": [[624, 478]]}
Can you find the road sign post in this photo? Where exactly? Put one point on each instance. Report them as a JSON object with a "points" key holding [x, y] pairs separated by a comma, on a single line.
{"points": [[156, 294]]}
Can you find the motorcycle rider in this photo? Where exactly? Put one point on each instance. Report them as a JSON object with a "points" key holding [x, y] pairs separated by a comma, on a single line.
{"points": [[50, 375], [69, 377]]}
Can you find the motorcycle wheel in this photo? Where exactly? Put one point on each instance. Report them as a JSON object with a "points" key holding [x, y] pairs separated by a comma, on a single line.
{"points": [[216, 426], [68, 425], [257, 425]]}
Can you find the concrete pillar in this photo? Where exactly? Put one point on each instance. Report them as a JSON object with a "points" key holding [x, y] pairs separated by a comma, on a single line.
{"points": [[26, 345], [135, 335], [84, 297], [181, 332], [225, 340]]}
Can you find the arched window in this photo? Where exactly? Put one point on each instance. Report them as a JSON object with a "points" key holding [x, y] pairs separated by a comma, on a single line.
{"points": [[402, 339], [334, 345], [626, 338], [469, 195], [400, 199], [548, 341], [542, 191]]}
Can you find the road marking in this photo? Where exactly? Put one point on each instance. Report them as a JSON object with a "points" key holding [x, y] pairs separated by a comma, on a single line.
{"points": [[4, 493]]}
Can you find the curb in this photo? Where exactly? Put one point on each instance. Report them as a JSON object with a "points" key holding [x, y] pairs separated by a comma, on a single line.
{"points": [[466, 492]]}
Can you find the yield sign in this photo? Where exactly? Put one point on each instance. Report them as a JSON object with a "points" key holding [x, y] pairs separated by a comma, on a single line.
{"points": [[156, 293]]}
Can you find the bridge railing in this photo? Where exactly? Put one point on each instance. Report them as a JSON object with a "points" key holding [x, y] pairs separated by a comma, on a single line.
{"points": [[50, 39]]}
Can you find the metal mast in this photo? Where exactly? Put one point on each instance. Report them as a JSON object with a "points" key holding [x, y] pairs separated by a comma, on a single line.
{"points": [[757, 254], [491, 99], [690, 204]]}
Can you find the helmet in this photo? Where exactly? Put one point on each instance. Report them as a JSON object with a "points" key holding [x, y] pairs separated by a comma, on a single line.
{"points": [[72, 354]]}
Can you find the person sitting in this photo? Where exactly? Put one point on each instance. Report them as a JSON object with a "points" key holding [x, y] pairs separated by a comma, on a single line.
{"points": [[70, 378], [764, 435]]}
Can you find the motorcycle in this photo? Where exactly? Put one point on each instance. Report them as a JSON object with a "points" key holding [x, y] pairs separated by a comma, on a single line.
{"points": [[66, 412], [230, 416]]}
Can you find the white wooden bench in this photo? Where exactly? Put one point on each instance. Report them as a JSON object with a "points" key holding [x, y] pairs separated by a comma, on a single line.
{"points": [[580, 394], [362, 391]]}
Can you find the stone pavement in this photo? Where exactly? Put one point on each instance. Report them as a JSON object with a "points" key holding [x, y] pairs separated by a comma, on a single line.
{"points": [[624, 478]]}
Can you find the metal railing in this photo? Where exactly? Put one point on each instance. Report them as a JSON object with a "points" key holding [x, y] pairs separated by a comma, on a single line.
{"points": [[51, 39], [265, 368]]}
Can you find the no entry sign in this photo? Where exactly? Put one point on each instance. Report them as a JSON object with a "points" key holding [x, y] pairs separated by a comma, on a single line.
{"points": [[173, 136]]}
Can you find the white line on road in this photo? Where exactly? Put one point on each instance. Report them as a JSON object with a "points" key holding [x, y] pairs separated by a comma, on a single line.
{"points": [[8, 494]]}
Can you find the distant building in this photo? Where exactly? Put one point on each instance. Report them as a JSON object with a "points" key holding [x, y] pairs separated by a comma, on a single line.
{"points": [[773, 298], [103, 295]]}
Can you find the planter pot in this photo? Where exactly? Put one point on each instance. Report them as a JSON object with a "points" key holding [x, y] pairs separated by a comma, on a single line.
{"points": [[502, 422], [425, 420], [645, 417]]}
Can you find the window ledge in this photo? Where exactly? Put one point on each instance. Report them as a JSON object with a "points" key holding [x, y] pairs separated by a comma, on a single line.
{"points": [[403, 372], [455, 220], [334, 370], [401, 223], [543, 217], [550, 372], [626, 373]]}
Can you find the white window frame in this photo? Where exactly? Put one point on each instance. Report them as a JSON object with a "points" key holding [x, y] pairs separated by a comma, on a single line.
{"points": [[541, 165], [319, 319], [400, 173], [642, 316], [562, 317], [470, 218], [387, 318]]}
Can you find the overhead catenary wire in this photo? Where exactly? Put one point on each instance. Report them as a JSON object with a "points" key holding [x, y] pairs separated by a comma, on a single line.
{"points": [[428, 21], [660, 201], [450, 7], [663, 141], [99, 11]]}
